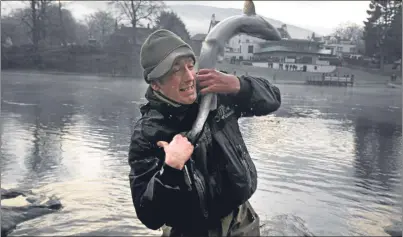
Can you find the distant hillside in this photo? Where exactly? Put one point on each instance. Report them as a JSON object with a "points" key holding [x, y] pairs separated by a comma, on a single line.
{"points": [[197, 21]]}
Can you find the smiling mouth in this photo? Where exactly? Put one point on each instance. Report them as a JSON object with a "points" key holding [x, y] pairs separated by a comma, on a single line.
{"points": [[190, 87]]}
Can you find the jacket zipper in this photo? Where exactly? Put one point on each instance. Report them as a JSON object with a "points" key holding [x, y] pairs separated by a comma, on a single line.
{"points": [[188, 180], [200, 191], [247, 170]]}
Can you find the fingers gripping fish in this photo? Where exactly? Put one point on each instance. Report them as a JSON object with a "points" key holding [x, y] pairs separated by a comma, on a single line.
{"points": [[213, 46]]}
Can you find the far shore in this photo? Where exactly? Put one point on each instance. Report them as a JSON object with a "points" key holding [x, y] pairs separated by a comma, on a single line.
{"points": [[55, 72], [276, 76]]}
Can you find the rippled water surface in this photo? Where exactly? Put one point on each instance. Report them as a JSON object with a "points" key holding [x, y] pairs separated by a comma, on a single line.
{"points": [[331, 156]]}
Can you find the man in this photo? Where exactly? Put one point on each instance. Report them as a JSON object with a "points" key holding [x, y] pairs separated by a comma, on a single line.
{"points": [[199, 189]]}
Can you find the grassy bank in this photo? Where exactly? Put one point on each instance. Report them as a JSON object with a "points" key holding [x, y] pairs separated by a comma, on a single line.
{"points": [[361, 77], [281, 77]]}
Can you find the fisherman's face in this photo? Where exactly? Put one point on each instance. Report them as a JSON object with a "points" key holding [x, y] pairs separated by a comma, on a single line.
{"points": [[180, 84]]}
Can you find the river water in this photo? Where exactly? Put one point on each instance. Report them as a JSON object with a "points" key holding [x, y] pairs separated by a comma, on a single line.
{"points": [[329, 156]]}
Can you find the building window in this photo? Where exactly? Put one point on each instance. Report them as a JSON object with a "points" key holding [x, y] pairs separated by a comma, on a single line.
{"points": [[247, 40], [352, 50], [250, 49], [339, 49]]}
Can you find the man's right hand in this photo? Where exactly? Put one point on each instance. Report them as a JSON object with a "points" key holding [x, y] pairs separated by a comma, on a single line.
{"points": [[177, 152]]}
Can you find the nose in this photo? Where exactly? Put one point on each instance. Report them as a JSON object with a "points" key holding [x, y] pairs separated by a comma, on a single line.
{"points": [[189, 74]]}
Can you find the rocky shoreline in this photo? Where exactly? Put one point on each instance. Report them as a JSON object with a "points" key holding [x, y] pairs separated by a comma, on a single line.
{"points": [[18, 206]]}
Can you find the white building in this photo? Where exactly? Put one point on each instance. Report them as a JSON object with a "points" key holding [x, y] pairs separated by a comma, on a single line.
{"points": [[337, 46], [242, 47], [341, 48]]}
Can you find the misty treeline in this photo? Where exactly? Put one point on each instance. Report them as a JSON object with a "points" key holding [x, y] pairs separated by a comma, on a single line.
{"points": [[383, 31], [45, 35], [381, 36]]}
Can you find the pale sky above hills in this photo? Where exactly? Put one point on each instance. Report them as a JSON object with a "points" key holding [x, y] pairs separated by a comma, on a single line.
{"points": [[319, 16]]}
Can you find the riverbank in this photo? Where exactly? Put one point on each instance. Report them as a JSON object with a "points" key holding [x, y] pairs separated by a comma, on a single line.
{"points": [[362, 78], [54, 72], [279, 76], [387, 71]]}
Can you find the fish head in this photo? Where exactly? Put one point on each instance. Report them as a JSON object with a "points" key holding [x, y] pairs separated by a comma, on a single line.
{"points": [[258, 27]]}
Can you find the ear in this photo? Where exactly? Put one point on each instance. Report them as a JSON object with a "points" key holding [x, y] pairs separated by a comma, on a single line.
{"points": [[155, 86]]}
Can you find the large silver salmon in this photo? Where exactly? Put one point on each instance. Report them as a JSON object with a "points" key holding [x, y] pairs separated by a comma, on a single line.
{"points": [[213, 46]]}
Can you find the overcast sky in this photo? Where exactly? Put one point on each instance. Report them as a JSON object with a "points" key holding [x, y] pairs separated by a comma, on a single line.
{"points": [[319, 16]]}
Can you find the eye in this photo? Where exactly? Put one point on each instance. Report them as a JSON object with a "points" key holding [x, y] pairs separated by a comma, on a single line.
{"points": [[175, 68]]}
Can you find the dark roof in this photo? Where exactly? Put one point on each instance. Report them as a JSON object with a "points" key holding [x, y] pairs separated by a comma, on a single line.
{"points": [[199, 37], [289, 44], [279, 48], [284, 33], [306, 41]]}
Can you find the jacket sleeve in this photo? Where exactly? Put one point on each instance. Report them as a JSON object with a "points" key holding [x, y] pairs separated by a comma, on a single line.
{"points": [[154, 185], [256, 97]]}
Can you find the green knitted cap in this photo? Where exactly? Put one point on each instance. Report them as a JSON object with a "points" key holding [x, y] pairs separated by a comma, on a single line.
{"points": [[159, 52]]}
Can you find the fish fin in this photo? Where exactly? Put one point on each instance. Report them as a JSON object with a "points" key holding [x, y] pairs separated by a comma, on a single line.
{"points": [[249, 8]]}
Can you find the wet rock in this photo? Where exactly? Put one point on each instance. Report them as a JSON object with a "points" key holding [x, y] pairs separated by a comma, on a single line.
{"points": [[32, 199], [394, 230], [285, 225], [12, 193], [18, 206]]}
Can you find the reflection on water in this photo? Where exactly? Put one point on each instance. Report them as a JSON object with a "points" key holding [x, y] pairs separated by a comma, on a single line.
{"points": [[309, 167], [375, 143], [329, 156]]}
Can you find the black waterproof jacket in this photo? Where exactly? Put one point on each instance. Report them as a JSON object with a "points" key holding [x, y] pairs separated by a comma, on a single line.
{"points": [[222, 175]]}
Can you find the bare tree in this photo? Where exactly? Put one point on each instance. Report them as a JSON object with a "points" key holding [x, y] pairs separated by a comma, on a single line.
{"points": [[63, 28], [138, 11], [349, 31], [34, 19], [171, 21], [41, 17], [101, 24], [34, 24], [24, 25]]}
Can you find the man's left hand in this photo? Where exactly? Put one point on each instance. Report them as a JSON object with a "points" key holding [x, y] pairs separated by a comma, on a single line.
{"points": [[213, 81]]}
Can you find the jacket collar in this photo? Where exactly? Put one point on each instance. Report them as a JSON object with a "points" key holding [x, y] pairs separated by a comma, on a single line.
{"points": [[165, 105]]}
